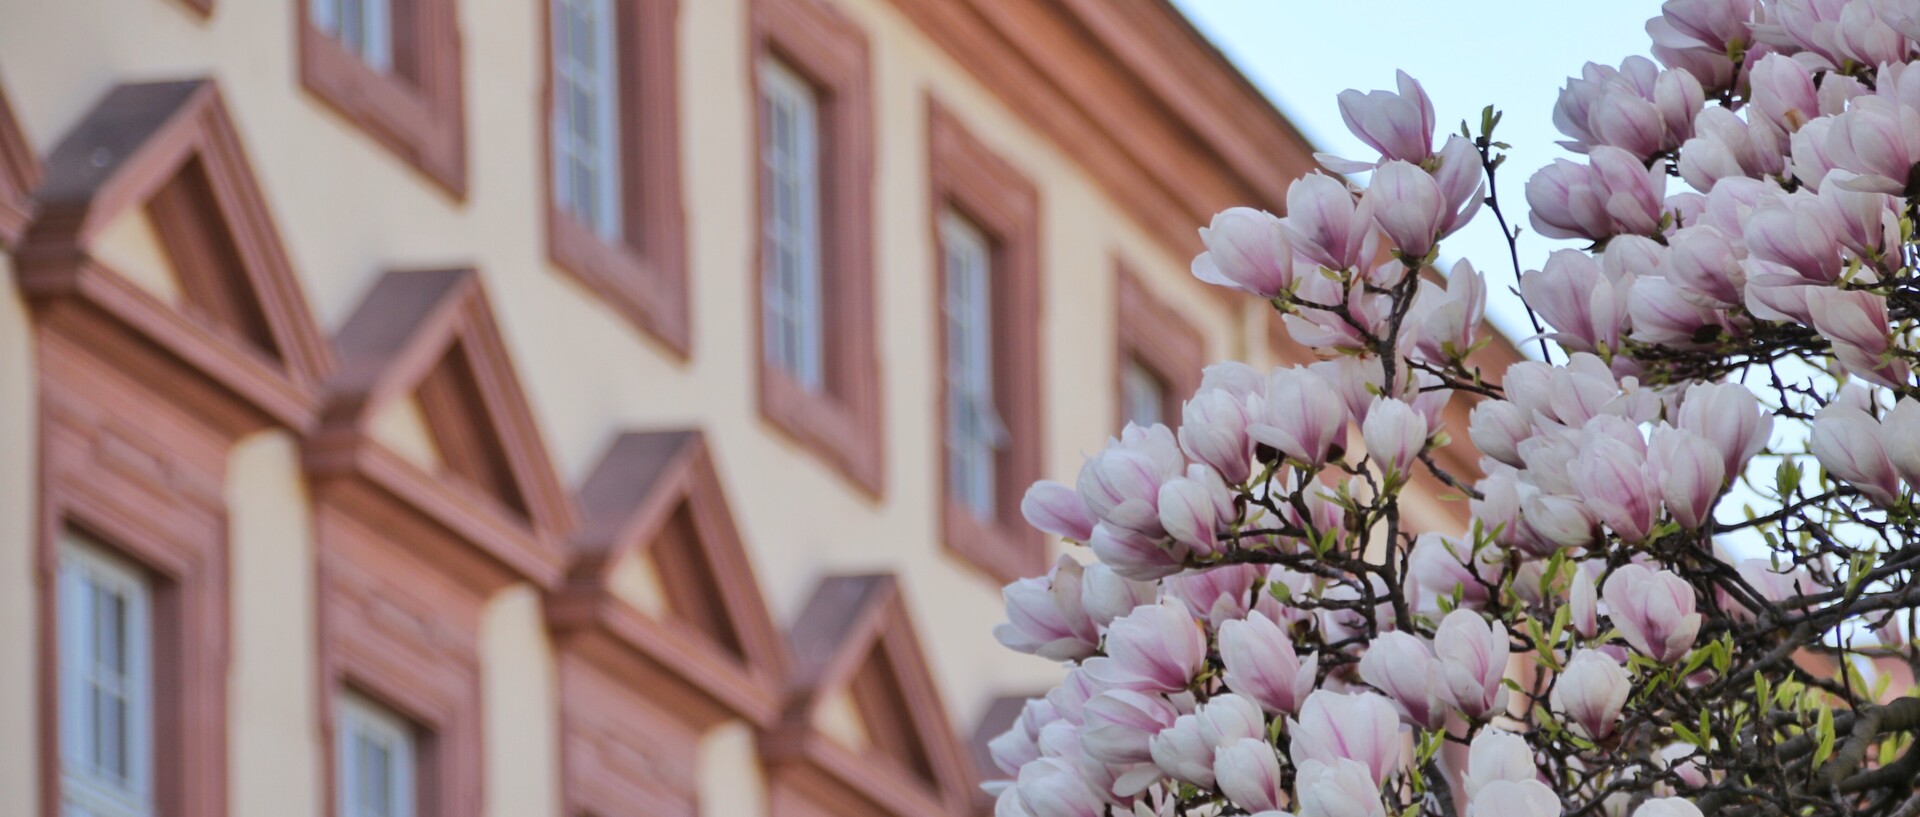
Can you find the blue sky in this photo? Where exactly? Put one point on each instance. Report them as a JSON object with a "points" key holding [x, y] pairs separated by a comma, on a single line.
{"points": [[1513, 54]]}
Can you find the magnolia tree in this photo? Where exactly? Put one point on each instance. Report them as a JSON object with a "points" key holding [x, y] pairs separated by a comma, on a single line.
{"points": [[1686, 579]]}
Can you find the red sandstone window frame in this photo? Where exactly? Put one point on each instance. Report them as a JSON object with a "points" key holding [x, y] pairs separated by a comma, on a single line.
{"points": [[968, 178], [393, 631], [111, 485], [416, 110], [1150, 333], [642, 276], [841, 422]]}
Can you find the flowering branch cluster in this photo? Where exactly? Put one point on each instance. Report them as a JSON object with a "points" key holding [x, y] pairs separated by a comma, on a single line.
{"points": [[1687, 580]]}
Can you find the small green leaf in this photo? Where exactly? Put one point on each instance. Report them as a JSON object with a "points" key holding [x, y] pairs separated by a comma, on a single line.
{"points": [[1281, 592], [1687, 735], [1824, 733], [1696, 660]]}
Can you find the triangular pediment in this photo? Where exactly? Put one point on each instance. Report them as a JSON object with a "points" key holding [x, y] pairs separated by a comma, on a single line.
{"points": [[19, 175], [426, 401], [861, 682], [151, 193], [658, 535]]}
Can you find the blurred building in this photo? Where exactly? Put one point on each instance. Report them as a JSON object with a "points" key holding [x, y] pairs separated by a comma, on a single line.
{"points": [[585, 407]]}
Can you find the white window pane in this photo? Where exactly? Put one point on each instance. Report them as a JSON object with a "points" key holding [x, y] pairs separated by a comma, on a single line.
{"points": [[585, 123], [792, 322], [105, 683], [364, 27], [974, 433], [1142, 395], [374, 762]]}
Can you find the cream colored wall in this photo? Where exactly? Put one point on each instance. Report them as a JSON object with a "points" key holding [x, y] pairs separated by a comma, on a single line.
{"points": [[731, 782], [520, 723], [19, 761], [343, 228], [271, 711]]}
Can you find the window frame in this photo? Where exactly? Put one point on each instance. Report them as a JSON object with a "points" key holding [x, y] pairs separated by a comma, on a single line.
{"points": [[416, 108], [840, 423], [376, 29], [179, 544], [75, 554], [354, 715], [640, 273], [1150, 333], [968, 178], [400, 628], [808, 365], [951, 224], [602, 88], [1138, 374]]}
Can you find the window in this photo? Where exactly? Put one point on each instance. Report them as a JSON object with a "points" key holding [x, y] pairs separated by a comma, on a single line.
{"points": [[1158, 358], [818, 371], [974, 433], [361, 26], [106, 685], [985, 219], [614, 219], [1143, 397], [586, 174], [374, 769], [790, 225], [392, 68]]}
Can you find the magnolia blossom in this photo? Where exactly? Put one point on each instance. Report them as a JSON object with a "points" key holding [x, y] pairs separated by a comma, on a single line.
{"points": [[1213, 431], [1121, 484], [1261, 663], [1340, 789], [1446, 322], [1301, 416], [1583, 603], [1057, 509], [1404, 667], [1248, 250], [1654, 611], [1473, 663], [1194, 506], [1053, 787], [1590, 692], [1690, 473], [1730, 417], [1248, 772], [1186, 749], [1410, 209], [1846, 440], [1325, 222], [1900, 438], [1396, 435], [1497, 755], [1335, 726], [1116, 725], [1667, 807], [1045, 615], [1398, 125], [1508, 798], [1157, 647]]}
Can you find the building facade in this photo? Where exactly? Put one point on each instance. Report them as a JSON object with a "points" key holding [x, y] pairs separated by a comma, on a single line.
{"points": [[584, 407]]}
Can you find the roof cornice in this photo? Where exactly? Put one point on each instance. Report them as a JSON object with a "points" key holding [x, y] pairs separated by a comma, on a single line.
{"points": [[1144, 103]]}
